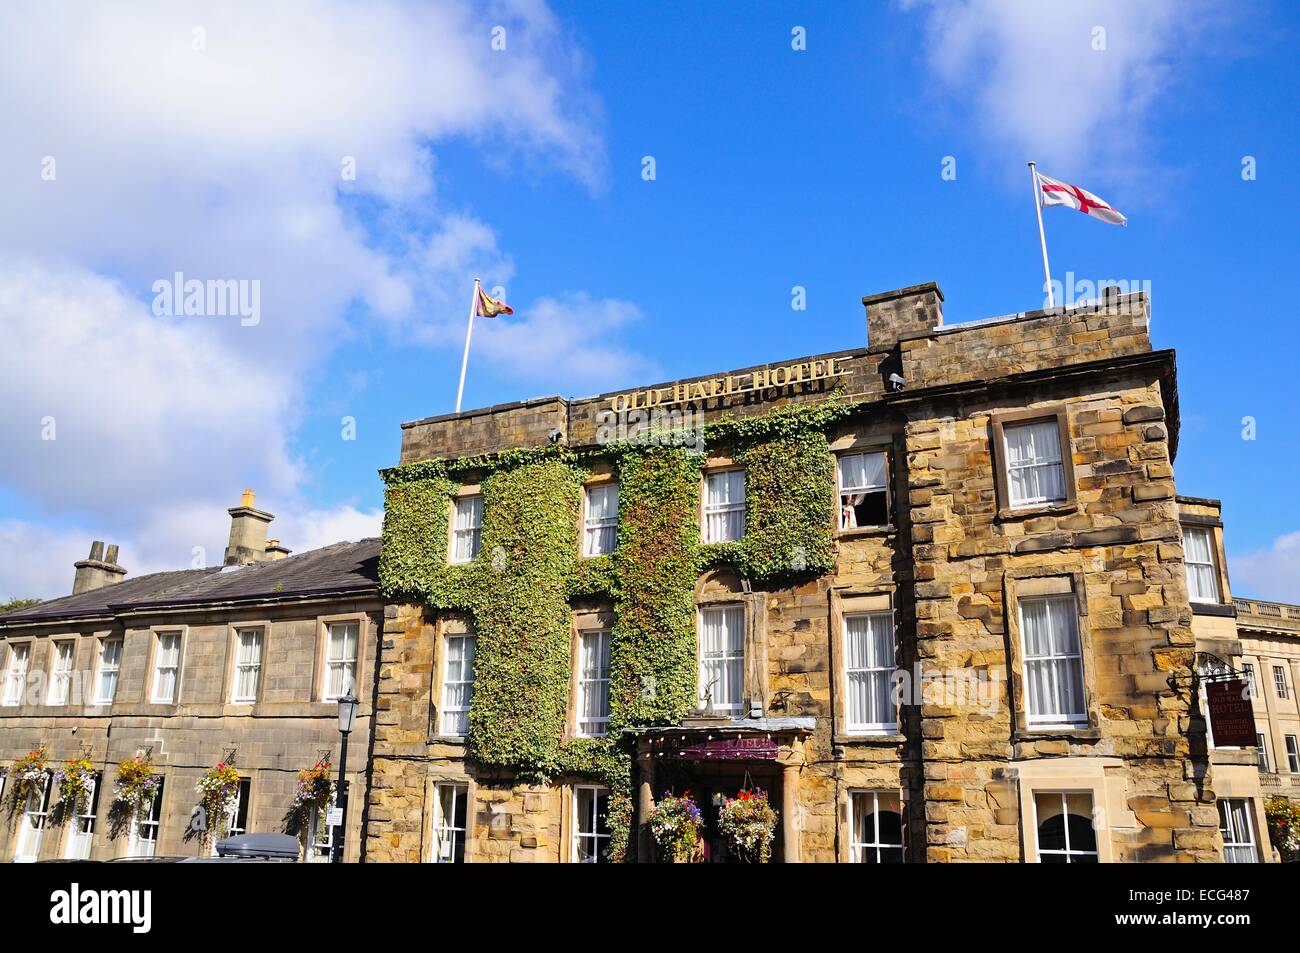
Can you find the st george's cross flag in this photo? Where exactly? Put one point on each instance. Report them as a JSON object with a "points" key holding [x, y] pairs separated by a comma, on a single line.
{"points": [[489, 307], [1055, 192]]}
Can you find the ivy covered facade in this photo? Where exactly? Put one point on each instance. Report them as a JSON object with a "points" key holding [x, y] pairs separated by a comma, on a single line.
{"points": [[929, 595]]}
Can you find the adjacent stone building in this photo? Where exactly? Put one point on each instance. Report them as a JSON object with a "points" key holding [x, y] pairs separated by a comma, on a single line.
{"points": [[237, 664], [1270, 656], [934, 595]]}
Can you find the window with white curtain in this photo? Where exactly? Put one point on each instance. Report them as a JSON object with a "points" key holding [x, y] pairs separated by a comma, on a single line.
{"points": [[1261, 752], [166, 668], [467, 528], [593, 683], [875, 828], [32, 824], [1035, 474], [600, 520], [864, 496], [341, 659], [235, 821], [1053, 662], [110, 663], [1198, 550], [1292, 754], [61, 673], [868, 671], [451, 812], [722, 659], [20, 654], [724, 506], [82, 833], [590, 824], [143, 840], [1238, 830], [1066, 830], [457, 685], [248, 666]]}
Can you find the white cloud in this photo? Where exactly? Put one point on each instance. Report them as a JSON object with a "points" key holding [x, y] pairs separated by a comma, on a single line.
{"points": [[1026, 77], [225, 162], [570, 343], [1270, 574]]}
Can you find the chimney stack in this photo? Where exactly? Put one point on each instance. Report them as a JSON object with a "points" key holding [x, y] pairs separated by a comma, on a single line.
{"points": [[894, 316], [98, 570], [247, 533], [275, 551]]}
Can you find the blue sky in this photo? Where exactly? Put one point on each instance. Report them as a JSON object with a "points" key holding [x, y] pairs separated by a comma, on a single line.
{"points": [[774, 167]]}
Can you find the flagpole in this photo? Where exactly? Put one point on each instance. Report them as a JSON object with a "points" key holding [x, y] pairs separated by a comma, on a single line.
{"points": [[1042, 236], [469, 332]]}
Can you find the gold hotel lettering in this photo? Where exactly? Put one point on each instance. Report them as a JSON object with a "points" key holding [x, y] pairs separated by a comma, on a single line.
{"points": [[763, 379]]}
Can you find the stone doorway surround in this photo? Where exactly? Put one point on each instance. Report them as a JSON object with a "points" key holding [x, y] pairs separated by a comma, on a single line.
{"points": [[767, 746]]}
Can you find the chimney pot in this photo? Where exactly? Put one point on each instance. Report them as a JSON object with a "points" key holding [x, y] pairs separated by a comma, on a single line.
{"points": [[96, 572], [97, 549], [110, 557], [247, 498]]}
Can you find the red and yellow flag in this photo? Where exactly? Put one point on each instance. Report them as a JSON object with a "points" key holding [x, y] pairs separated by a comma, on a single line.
{"points": [[489, 307]]}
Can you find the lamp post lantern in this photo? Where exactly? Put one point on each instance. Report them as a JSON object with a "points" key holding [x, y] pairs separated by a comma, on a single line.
{"points": [[347, 715]]}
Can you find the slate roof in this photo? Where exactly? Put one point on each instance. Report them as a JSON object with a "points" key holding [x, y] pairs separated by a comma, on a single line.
{"points": [[341, 568]]}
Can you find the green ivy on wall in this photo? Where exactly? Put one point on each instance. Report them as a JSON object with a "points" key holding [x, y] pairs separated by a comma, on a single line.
{"points": [[520, 589]]}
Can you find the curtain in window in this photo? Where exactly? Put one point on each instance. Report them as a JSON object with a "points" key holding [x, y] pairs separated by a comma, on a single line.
{"points": [[1053, 666], [862, 471], [62, 675], [468, 520], [593, 668], [869, 663], [1238, 844], [458, 685], [169, 654], [602, 520], [724, 507], [1201, 584], [248, 664], [16, 677], [1034, 472], [110, 659], [342, 659], [722, 654]]}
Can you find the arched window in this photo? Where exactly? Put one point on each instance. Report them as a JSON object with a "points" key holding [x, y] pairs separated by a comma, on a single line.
{"points": [[1065, 828]]}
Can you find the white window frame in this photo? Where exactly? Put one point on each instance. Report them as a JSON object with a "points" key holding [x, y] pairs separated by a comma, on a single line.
{"points": [[145, 831], [16, 668], [1053, 426], [240, 802], [857, 849], [1280, 686], [346, 664], [597, 839], [1233, 844], [446, 835], [1261, 743], [82, 832], [240, 667], [447, 711], [60, 690], [724, 509], [881, 669], [596, 529], [155, 697], [1248, 669], [847, 515], [1069, 853], [1194, 592], [33, 823], [1292, 753], [319, 850], [727, 657], [103, 667], [1064, 720], [593, 680], [471, 533]]}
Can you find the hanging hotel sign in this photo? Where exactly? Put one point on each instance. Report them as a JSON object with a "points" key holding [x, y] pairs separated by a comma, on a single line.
{"points": [[729, 748], [1232, 718], [755, 382]]}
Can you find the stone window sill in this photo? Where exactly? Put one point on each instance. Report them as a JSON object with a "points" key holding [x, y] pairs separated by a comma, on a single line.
{"points": [[859, 532], [879, 740], [1029, 512], [1057, 734], [1214, 608]]}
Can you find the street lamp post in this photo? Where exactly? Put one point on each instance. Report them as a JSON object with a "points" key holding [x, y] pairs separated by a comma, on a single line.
{"points": [[347, 714]]}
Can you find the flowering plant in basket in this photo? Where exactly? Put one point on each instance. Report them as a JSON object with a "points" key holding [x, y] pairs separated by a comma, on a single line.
{"points": [[749, 823]]}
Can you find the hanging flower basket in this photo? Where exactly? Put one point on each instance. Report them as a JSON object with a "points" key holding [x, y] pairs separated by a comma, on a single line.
{"points": [[136, 785], [675, 824], [74, 780], [749, 824], [217, 791], [314, 794], [1284, 826], [28, 774]]}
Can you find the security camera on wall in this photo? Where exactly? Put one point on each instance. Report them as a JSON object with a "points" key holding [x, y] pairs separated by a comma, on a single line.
{"points": [[896, 382]]}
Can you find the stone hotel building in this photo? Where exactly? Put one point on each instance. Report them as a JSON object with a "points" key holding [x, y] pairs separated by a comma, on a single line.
{"points": [[710, 585]]}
